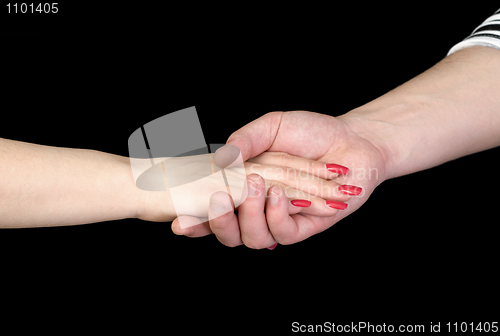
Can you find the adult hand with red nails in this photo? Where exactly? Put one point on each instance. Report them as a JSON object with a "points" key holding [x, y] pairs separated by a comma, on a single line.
{"points": [[296, 138], [449, 111]]}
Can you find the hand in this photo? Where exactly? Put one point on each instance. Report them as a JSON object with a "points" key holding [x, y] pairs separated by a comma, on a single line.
{"points": [[319, 138]]}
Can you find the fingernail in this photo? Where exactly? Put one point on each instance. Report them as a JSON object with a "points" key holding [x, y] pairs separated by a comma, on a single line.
{"points": [[226, 156], [274, 197], [252, 188], [350, 190], [218, 208], [336, 205], [301, 203], [335, 168], [272, 247]]}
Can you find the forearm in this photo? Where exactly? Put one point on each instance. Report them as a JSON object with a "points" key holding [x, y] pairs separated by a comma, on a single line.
{"points": [[449, 111], [52, 186]]}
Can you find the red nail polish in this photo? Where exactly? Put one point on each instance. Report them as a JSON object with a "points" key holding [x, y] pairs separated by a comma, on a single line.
{"points": [[335, 168], [272, 247], [336, 205], [301, 203], [350, 190]]}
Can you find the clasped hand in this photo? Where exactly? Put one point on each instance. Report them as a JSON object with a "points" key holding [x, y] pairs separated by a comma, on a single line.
{"points": [[304, 172]]}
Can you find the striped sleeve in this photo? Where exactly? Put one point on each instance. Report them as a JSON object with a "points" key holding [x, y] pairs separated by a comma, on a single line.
{"points": [[487, 34]]}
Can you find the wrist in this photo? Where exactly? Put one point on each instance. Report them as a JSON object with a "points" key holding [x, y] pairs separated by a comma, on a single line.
{"points": [[445, 113], [149, 205], [382, 123], [131, 195], [155, 206]]}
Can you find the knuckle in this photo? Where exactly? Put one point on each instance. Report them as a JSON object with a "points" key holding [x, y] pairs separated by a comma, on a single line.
{"points": [[218, 224], [284, 240], [229, 244], [284, 237], [253, 244]]}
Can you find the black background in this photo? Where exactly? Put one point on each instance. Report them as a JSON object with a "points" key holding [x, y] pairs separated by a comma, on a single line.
{"points": [[422, 249]]}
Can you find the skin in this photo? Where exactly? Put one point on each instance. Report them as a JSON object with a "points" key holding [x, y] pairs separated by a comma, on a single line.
{"points": [[303, 179], [447, 112], [332, 141], [65, 186], [52, 186]]}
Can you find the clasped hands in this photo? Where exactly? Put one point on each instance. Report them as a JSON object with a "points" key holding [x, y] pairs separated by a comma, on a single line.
{"points": [[304, 172]]}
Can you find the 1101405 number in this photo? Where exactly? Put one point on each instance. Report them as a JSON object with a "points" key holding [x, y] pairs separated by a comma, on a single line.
{"points": [[472, 327], [33, 8]]}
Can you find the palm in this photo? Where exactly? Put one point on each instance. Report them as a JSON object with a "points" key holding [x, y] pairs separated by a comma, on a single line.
{"points": [[330, 140]]}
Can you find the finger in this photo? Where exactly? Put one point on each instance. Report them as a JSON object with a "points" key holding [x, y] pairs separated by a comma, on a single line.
{"points": [[297, 227], [257, 136], [281, 225], [191, 226], [223, 222], [310, 184], [308, 226], [226, 155], [313, 167], [317, 206], [253, 225]]}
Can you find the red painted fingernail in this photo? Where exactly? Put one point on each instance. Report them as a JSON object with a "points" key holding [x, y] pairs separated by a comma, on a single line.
{"points": [[301, 203], [272, 247], [336, 205], [335, 168], [350, 190]]}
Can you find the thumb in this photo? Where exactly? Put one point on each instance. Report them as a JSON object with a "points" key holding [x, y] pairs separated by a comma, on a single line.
{"points": [[253, 138]]}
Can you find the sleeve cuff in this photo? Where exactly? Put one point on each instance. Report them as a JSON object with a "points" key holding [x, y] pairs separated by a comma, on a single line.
{"points": [[487, 35]]}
